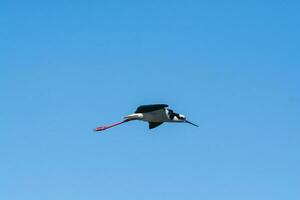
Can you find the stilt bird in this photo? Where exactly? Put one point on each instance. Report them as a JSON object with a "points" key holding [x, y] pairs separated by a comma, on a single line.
{"points": [[154, 114]]}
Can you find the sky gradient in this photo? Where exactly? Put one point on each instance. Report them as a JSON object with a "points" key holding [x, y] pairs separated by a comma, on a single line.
{"points": [[231, 67]]}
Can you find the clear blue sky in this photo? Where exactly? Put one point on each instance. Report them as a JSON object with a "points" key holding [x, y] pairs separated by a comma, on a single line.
{"points": [[230, 66]]}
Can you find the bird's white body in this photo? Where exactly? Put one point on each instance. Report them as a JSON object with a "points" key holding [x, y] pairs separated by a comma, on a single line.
{"points": [[161, 115], [156, 116]]}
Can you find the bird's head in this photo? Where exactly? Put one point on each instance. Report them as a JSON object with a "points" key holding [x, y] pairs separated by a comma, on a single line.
{"points": [[182, 118]]}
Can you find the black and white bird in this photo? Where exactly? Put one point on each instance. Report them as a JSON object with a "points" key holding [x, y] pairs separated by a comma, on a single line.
{"points": [[154, 114]]}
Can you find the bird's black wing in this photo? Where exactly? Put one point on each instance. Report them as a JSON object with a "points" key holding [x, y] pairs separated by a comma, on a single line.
{"points": [[154, 124], [150, 108]]}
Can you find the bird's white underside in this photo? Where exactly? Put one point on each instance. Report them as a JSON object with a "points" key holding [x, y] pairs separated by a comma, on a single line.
{"points": [[154, 116]]}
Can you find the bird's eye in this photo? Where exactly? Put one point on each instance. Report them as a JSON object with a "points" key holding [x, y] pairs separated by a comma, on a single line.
{"points": [[181, 117]]}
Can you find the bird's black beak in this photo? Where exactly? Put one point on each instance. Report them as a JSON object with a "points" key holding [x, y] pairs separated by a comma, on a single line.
{"points": [[191, 123]]}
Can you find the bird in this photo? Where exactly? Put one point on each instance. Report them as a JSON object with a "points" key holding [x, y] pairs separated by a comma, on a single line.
{"points": [[154, 114]]}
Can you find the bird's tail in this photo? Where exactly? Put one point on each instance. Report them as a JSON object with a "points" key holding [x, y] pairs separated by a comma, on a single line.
{"points": [[134, 116]]}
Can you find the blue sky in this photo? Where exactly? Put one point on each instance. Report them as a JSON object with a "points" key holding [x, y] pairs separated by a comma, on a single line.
{"points": [[68, 66]]}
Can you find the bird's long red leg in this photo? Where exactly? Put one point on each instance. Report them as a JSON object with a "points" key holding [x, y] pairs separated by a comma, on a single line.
{"points": [[102, 128]]}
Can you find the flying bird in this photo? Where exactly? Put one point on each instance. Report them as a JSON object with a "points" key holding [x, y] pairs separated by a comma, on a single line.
{"points": [[154, 114]]}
